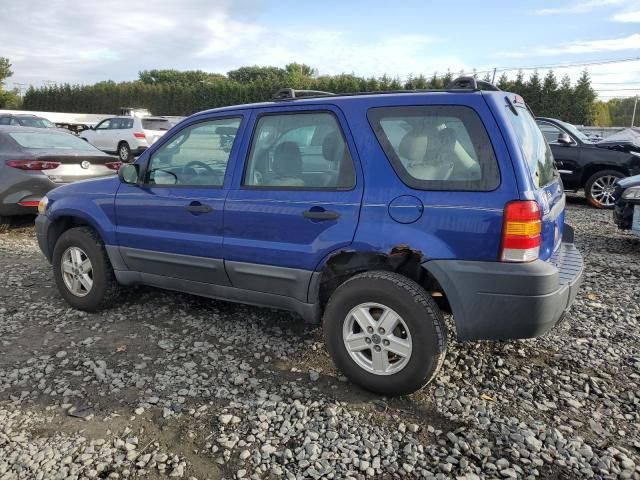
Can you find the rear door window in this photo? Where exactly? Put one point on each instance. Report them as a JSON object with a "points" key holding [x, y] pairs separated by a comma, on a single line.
{"points": [[437, 147], [534, 147], [303, 151]]}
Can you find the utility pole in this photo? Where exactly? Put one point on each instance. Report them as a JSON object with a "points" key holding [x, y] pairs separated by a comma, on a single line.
{"points": [[493, 80], [633, 115]]}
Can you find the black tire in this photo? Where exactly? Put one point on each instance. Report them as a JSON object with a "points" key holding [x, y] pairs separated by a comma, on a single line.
{"points": [[589, 187], [105, 288], [418, 311], [124, 152], [5, 223]]}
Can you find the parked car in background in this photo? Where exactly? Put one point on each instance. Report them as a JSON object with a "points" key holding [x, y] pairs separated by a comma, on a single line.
{"points": [[374, 212], [126, 136], [594, 167], [626, 213], [25, 120], [35, 160]]}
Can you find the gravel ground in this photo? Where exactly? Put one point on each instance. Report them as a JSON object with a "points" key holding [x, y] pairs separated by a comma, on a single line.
{"points": [[170, 385]]}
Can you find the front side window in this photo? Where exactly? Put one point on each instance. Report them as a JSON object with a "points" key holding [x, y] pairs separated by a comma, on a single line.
{"points": [[197, 155], [106, 124], [551, 132], [437, 147], [300, 151]]}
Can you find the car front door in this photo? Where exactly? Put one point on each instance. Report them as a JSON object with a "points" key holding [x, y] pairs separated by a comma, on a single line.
{"points": [[566, 156], [171, 224], [98, 136], [296, 200]]}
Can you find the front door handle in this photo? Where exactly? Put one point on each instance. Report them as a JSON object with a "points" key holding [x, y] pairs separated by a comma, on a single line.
{"points": [[197, 207], [321, 214]]}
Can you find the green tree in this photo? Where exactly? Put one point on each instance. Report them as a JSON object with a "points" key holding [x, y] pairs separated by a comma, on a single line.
{"points": [[583, 112], [602, 116], [549, 98], [8, 98]]}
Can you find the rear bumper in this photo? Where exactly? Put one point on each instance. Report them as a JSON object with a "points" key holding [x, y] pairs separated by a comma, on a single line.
{"points": [[499, 301], [24, 188]]}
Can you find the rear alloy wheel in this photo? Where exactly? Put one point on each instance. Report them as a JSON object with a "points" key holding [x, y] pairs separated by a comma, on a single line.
{"points": [[599, 189], [124, 152], [385, 332], [5, 223]]}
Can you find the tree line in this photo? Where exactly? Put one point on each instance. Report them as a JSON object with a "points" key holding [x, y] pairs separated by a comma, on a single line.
{"points": [[173, 92]]}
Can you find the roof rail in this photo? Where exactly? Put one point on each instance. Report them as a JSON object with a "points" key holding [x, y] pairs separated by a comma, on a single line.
{"points": [[471, 83], [290, 93]]}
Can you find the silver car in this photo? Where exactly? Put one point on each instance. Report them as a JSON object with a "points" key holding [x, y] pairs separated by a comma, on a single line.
{"points": [[35, 160]]}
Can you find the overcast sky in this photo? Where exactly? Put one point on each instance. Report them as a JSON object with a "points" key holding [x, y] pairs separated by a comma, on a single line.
{"points": [[90, 41]]}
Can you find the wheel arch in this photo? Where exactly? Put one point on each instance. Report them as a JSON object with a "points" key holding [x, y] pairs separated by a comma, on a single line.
{"points": [[62, 223], [594, 168], [344, 264]]}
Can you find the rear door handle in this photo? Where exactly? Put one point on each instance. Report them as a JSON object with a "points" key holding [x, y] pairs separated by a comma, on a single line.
{"points": [[197, 207], [321, 214]]}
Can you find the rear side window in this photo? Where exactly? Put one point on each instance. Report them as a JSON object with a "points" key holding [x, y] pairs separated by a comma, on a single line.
{"points": [[155, 124], [437, 147], [534, 147], [299, 151]]}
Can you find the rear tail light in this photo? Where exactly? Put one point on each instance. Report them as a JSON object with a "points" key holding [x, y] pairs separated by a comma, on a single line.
{"points": [[113, 165], [32, 164], [29, 203], [139, 135], [521, 232]]}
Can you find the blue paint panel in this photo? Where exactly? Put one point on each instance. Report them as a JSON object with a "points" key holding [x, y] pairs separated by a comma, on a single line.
{"points": [[268, 227]]}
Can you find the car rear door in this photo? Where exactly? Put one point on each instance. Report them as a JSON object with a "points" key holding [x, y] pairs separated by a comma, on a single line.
{"points": [[296, 200], [171, 224]]}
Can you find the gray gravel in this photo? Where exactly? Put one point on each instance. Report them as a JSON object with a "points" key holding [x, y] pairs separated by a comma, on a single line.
{"points": [[169, 385]]}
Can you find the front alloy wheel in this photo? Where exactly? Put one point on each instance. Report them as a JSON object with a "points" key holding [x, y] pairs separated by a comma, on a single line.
{"points": [[600, 188], [77, 271]]}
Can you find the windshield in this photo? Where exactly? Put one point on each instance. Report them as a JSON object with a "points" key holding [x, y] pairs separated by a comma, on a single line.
{"points": [[535, 148], [51, 141], [575, 132]]}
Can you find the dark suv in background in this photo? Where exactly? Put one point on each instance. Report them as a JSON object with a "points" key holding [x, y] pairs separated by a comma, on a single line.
{"points": [[584, 164]]}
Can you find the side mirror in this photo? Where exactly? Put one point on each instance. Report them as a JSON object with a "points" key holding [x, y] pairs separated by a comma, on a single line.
{"points": [[564, 139], [129, 173]]}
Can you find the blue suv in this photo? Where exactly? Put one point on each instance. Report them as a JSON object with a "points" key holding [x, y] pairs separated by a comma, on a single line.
{"points": [[371, 213]]}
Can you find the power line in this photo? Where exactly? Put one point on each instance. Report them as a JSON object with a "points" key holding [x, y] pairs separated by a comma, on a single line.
{"points": [[557, 65]]}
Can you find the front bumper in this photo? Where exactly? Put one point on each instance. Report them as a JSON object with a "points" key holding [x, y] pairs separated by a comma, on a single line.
{"points": [[500, 301], [42, 232]]}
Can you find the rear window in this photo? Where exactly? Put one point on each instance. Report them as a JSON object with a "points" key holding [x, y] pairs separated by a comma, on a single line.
{"points": [[155, 124], [437, 147], [534, 146], [51, 141]]}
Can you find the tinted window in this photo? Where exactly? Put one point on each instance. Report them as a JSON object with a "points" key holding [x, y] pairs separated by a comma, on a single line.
{"points": [[32, 122], [155, 124], [197, 155], [104, 125], [550, 132], [302, 150], [51, 141], [437, 147], [121, 123], [534, 147], [5, 120]]}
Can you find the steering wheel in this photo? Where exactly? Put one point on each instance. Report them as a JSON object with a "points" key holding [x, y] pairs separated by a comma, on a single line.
{"points": [[197, 163]]}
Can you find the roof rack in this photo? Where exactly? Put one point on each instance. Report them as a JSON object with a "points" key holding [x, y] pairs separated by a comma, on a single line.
{"points": [[290, 93], [471, 83]]}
